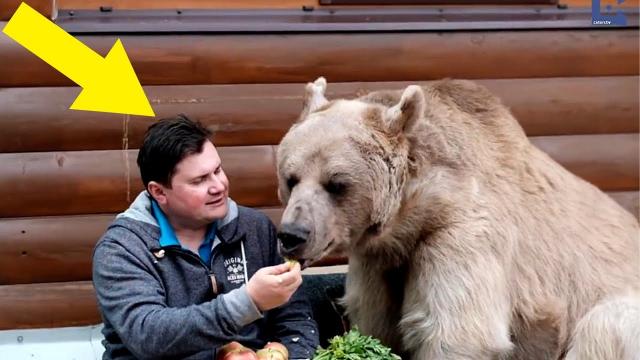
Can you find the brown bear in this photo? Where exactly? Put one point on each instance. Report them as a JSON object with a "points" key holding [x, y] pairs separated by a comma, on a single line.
{"points": [[465, 241]]}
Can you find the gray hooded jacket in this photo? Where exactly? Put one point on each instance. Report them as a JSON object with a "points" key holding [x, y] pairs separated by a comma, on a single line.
{"points": [[166, 303]]}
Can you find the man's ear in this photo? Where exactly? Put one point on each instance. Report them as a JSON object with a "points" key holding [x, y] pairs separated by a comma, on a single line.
{"points": [[404, 115], [313, 97], [157, 192]]}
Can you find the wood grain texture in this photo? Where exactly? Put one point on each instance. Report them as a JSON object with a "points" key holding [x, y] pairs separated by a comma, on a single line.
{"points": [[297, 58], [85, 182], [610, 162], [9, 7], [48, 305], [37, 119]]}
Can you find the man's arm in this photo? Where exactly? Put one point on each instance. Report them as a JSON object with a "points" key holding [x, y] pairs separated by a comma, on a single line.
{"points": [[132, 299], [292, 324]]}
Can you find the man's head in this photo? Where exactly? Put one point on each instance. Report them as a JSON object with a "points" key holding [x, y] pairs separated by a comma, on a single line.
{"points": [[182, 171]]}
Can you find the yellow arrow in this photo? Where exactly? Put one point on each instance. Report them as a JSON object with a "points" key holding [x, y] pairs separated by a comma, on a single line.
{"points": [[108, 84]]}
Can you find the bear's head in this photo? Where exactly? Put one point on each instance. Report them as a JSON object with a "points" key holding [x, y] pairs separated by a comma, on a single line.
{"points": [[341, 171]]}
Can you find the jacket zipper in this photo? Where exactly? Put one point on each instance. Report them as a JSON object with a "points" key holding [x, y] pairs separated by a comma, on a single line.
{"points": [[179, 250]]}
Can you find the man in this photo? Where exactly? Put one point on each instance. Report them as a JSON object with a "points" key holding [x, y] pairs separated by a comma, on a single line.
{"points": [[185, 270]]}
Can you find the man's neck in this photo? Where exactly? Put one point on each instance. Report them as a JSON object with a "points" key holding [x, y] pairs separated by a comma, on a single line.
{"points": [[191, 239], [189, 235]]}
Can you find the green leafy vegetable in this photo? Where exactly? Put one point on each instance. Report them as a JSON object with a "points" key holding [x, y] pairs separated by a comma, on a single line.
{"points": [[355, 346]]}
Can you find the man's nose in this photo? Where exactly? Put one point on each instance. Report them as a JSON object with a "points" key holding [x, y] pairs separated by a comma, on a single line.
{"points": [[216, 185], [292, 235]]}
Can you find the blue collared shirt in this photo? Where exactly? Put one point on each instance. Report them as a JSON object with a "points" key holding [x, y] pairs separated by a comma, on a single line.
{"points": [[168, 236]]}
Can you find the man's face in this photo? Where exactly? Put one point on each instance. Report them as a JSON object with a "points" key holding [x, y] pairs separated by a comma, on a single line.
{"points": [[199, 190]]}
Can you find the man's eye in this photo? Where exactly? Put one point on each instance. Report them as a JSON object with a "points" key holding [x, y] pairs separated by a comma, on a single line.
{"points": [[336, 188], [291, 182], [217, 170]]}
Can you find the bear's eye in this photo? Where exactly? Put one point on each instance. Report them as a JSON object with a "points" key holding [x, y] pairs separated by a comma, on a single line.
{"points": [[291, 182], [336, 188]]}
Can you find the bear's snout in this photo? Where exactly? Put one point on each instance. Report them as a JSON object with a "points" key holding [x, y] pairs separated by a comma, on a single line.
{"points": [[292, 236]]}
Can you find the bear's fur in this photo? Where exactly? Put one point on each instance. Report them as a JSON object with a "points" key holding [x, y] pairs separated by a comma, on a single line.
{"points": [[465, 241]]}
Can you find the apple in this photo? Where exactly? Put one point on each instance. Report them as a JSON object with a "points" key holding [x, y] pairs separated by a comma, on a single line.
{"points": [[228, 348], [241, 354], [278, 347], [270, 354]]}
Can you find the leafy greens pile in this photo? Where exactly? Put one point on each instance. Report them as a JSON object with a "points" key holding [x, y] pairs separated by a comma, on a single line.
{"points": [[355, 346]]}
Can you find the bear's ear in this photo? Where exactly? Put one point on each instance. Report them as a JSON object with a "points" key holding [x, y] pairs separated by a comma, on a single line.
{"points": [[313, 97], [403, 116]]}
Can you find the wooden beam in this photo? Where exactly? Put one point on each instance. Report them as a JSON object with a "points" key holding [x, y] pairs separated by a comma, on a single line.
{"points": [[8, 7], [298, 58], [33, 184], [37, 119], [48, 305], [598, 159]]}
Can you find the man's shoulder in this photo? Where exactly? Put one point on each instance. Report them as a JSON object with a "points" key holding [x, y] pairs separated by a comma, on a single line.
{"points": [[129, 232]]}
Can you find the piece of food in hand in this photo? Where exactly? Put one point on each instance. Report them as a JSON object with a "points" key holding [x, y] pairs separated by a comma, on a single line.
{"points": [[232, 348], [278, 347], [291, 262], [270, 354]]}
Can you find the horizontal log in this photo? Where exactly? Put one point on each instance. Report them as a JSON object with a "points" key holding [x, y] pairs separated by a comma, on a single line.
{"points": [[8, 7], [85, 182], [37, 119], [610, 162], [48, 305], [296, 58], [89, 182]]}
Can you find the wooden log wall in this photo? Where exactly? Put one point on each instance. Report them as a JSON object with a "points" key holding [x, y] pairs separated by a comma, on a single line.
{"points": [[65, 174]]}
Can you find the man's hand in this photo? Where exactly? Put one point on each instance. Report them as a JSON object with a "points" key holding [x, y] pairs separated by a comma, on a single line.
{"points": [[273, 286]]}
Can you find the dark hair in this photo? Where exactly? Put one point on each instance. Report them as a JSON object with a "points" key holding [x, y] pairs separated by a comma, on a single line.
{"points": [[165, 144]]}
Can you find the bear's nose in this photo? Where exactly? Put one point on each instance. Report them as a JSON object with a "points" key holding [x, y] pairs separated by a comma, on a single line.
{"points": [[292, 235]]}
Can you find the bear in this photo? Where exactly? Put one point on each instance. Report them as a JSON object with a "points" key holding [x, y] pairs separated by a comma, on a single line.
{"points": [[464, 240]]}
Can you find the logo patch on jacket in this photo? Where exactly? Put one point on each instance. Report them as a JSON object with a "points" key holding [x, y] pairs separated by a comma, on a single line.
{"points": [[235, 270]]}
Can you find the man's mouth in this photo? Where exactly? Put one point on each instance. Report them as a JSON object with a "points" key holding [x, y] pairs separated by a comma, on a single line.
{"points": [[216, 202]]}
